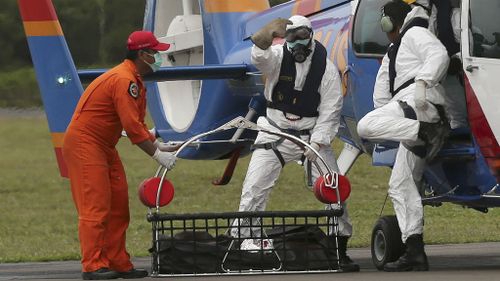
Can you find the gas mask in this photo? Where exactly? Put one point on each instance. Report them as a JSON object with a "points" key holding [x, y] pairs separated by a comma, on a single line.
{"points": [[298, 41], [299, 49], [158, 61]]}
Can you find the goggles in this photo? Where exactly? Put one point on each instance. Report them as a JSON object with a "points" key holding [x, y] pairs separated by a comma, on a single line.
{"points": [[299, 33]]}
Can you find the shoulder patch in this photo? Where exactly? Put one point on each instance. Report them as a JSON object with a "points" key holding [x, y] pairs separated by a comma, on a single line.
{"points": [[133, 90]]}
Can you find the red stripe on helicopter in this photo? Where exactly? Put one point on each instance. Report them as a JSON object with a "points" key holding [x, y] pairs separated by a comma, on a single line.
{"points": [[481, 129], [63, 169], [479, 124], [37, 10]]}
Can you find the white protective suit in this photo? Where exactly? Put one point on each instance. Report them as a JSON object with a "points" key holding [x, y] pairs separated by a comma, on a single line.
{"points": [[455, 102], [265, 167], [454, 96], [421, 56]]}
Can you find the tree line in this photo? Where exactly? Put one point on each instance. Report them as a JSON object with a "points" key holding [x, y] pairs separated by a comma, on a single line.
{"points": [[95, 30]]}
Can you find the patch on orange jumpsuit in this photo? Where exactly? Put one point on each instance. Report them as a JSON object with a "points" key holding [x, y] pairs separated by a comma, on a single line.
{"points": [[133, 90]]}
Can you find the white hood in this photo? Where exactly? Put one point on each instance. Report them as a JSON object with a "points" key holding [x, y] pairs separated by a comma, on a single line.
{"points": [[416, 12]]}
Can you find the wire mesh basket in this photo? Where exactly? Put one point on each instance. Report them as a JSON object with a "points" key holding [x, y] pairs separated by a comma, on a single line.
{"points": [[202, 244]]}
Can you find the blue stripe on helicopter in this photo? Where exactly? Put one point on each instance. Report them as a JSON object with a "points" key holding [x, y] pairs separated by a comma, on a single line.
{"points": [[57, 78]]}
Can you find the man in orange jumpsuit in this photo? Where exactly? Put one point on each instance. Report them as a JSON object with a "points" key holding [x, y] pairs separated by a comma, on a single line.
{"points": [[115, 101]]}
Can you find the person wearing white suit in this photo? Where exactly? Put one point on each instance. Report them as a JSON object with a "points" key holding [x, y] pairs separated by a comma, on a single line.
{"points": [[447, 29], [304, 96], [406, 97]]}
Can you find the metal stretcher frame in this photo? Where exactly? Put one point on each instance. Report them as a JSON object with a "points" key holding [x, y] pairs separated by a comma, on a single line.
{"points": [[188, 221], [275, 261]]}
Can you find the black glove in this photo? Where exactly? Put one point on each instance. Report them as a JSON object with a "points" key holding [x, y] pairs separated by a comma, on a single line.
{"points": [[455, 66]]}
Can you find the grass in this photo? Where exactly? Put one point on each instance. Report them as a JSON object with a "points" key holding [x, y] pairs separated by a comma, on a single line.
{"points": [[38, 221]]}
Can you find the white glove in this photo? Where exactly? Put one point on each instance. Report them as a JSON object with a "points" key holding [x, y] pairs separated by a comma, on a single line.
{"points": [[419, 97], [309, 154], [165, 146], [166, 159], [152, 132]]}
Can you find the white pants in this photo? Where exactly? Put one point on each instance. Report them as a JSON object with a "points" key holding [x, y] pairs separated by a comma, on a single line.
{"points": [[263, 171], [455, 102], [388, 123]]}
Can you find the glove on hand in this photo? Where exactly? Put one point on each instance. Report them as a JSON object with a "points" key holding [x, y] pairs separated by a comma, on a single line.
{"points": [[165, 146], [166, 159], [455, 66], [419, 97], [264, 37], [309, 154], [153, 132]]}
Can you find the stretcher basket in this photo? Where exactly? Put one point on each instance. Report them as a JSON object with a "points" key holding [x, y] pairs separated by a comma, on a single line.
{"points": [[202, 244]]}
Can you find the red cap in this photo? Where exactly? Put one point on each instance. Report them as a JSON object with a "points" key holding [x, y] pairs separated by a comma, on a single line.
{"points": [[145, 40]]}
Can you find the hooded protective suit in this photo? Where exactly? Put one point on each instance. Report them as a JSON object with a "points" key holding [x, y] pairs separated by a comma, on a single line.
{"points": [[455, 93], [265, 167], [421, 56], [454, 96]]}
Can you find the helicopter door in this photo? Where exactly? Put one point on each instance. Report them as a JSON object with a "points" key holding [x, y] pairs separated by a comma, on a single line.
{"points": [[481, 59]]}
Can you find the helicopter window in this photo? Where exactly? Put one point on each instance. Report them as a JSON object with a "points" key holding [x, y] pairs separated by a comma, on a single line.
{"points": [[368, 37], [485, 28]]}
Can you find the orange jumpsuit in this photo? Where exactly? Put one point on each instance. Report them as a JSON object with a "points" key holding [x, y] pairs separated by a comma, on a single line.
{"points": [[114, 101]]}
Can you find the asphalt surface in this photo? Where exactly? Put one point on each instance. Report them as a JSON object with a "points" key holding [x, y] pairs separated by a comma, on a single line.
{"points": [[477, 261]]}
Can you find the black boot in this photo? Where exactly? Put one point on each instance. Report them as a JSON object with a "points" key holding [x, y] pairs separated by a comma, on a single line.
{"points": [[414, 259], [346, 264], [100, 274], [434, 135], [133, 274]]}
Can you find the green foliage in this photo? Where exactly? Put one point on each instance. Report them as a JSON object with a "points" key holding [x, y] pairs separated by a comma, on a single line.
{"points": [[89, 27], [95, 30], [14, 49], [121, 18], [19, 88], [80, 21]]}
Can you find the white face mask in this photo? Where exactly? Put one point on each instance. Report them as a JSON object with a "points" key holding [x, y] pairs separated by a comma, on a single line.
{"points": [[158, 61]]}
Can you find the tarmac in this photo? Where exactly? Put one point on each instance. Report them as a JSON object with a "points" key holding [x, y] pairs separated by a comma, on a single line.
{"points": [[475, 261]]}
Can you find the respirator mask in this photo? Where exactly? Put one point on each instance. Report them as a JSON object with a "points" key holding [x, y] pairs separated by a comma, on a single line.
{"points": [[298, 41]]}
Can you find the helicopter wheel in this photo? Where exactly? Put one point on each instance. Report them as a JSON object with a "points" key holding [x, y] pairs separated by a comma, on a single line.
{"points": [[386, 244]]}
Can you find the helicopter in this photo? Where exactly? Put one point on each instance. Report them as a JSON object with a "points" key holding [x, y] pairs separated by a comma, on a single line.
{"points": [[207, 80]]}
